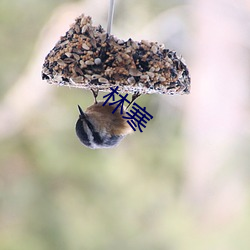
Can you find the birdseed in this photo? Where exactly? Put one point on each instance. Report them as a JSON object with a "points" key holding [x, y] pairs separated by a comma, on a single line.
{"points": [[87, 57]]}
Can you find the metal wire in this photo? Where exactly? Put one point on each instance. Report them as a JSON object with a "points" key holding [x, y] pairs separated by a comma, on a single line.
{"points": [[110, 15]]}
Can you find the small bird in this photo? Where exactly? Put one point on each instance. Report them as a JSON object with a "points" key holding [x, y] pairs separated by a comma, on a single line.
{"points": [[98, 127]]}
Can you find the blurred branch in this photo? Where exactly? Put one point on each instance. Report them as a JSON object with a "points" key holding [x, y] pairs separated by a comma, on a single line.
{"points": [[29, 93], [216, 109]]}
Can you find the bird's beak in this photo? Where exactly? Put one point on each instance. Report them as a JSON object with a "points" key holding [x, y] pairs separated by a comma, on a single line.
{"points": [[82, 115]]}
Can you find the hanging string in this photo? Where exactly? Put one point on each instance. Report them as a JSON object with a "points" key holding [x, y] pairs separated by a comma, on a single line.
{"points": [[110, 16]]}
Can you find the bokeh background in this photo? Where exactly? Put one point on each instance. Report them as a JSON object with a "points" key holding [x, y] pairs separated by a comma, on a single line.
{"points": [[181, 184]]}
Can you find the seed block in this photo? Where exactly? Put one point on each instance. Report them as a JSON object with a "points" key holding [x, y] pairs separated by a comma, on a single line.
{"points": [[87, 57]]}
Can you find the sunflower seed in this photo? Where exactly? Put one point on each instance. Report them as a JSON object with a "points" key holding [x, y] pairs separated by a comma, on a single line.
{"points": [[145, 42], [150, 74], [64, 43], [95, 76], [103, 80], [69, 60], [77, 57], [154, 49], [77, 29], [77, 79], [78, 70], [68, 54], [61, 62], [144, 78], [134, 72], [88, 62], [84, 29], [85, 46], [120, 42], [131, 80]]}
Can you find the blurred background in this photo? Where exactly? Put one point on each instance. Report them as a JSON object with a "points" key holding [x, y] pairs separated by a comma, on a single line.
{"points": [[181, 184]]}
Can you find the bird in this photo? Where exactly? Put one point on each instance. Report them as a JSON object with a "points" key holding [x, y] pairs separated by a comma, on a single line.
{"points": [[98, 127]]}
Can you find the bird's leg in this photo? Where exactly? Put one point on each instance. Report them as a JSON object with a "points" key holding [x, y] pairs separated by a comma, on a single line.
{"points": [[134, 97], [95, 94]]}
